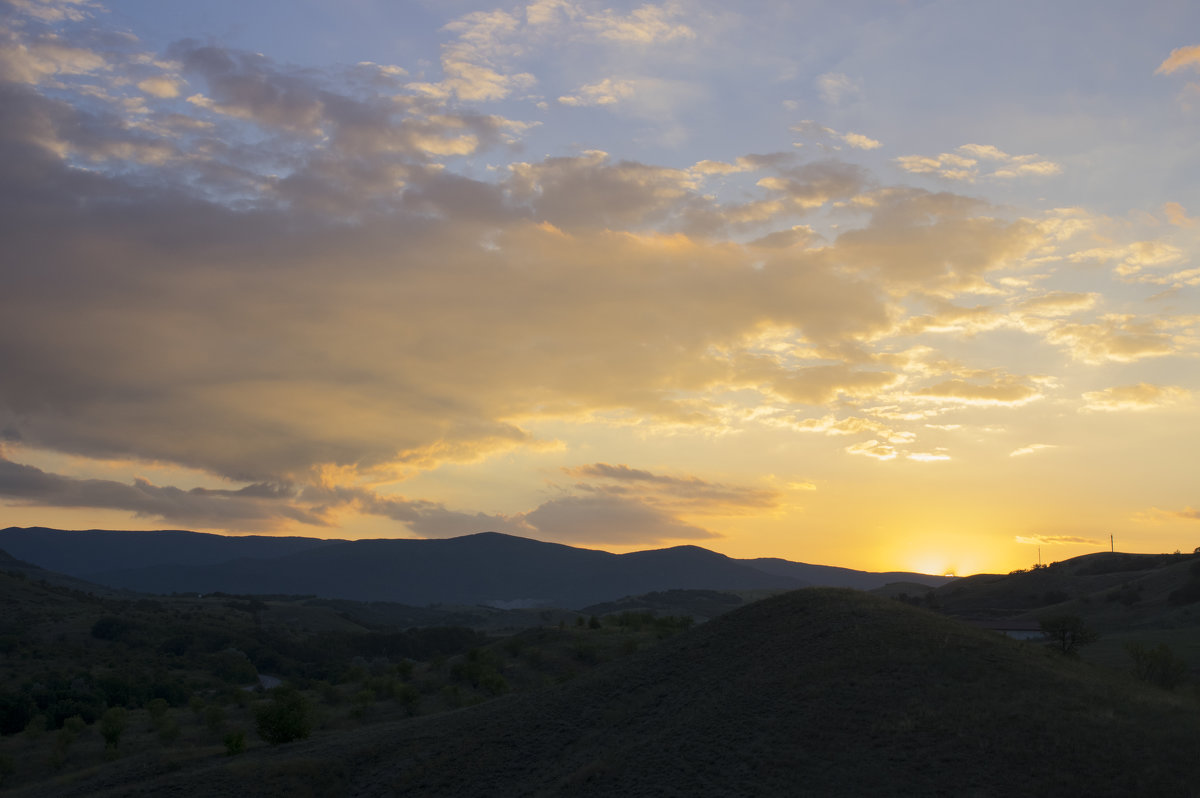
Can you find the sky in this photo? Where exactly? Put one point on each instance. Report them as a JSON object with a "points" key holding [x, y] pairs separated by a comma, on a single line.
{"points": [[885, 285]]}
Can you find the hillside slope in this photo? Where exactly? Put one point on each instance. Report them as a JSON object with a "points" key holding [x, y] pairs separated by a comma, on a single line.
{"points": [[815, 692]]}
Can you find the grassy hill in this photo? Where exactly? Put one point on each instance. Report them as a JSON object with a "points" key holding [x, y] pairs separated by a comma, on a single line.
{"points": [[814, 692], [1146, 599]]}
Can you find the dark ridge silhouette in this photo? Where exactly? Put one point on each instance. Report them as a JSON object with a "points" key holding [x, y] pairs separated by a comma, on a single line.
{"points": [[486, 568], [816, 692], [833, 576], [86, 552], [476, 569]]}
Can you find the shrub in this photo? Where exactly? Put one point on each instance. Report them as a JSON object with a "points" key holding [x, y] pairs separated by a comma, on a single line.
{"points": [[112, 726], [235, 743], [286, 717], [1158, 665], [214, 719], [111, 627], [168, 730], [16, 710]]}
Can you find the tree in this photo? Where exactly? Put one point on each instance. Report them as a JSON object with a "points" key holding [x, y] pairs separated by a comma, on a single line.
{"points": [[112, 726], [286, 717], [1068, 633]]}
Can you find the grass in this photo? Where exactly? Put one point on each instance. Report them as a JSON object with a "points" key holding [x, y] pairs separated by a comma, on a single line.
{"points": [[816, 692]]}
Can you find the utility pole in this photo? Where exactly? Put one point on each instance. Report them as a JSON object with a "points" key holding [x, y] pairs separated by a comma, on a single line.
{"points": [[1111, 546]]}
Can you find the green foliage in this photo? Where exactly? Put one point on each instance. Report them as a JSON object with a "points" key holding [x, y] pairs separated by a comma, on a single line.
{"points": [[214, 719], [111, 627], [233, 667], [1159, 665], [481, 668], [235, 742], [1068, 633], [157, 708], [361, 703], [35, 728], [287, 716], [1127, 594], [409, 697], [16, 710], [112, 726], [168, 730]]}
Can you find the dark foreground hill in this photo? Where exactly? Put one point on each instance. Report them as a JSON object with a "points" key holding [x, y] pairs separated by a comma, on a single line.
{"points": [[487, 568], [815, 692]]}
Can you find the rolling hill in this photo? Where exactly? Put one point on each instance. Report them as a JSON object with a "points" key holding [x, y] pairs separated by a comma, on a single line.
{"points": [[814, 692]]}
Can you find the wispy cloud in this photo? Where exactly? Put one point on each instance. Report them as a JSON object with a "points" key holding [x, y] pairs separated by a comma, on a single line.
{"points": [[1142, 396], [973, 161], [1055, 540], [1180, 58], [1030, 449]]}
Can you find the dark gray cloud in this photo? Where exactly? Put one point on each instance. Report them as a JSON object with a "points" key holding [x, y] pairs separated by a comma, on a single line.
{"points": [[254, 506], [680, 494], [609, 519]]}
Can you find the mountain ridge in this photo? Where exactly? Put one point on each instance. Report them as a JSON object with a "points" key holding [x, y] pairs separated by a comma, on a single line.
{"points": [[482, 568]]}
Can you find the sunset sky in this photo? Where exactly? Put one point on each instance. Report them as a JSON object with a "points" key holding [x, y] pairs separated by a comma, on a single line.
{"points": [[907, 285]]}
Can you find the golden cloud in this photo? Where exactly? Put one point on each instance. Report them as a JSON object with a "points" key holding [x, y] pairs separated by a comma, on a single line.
{"points": [[1142, 396], [964, 164], [1119, 338], [1030, 449], [1055, 540], [1008, 390], [1058, 303], [873, 449], [1180, 58]]}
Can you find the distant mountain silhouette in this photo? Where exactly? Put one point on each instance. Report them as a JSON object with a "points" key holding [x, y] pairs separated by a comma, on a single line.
{"points": [[474, 569], [86, 552], [832, 576]]}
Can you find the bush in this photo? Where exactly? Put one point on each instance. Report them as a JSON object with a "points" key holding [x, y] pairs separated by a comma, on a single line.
{"points": [[112, 726], [16, 710], [235, 743], [111, 628], [286, 717], [1157, 665]]}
